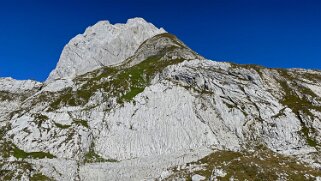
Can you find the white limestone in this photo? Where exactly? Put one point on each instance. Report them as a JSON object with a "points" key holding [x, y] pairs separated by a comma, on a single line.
{"points": [[198, 177], [143, 130], [18, 86], [103, 44], [188, 110]]}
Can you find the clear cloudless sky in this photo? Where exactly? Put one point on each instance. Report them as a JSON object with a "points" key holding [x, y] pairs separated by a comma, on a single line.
{"points": [[272, 33]]}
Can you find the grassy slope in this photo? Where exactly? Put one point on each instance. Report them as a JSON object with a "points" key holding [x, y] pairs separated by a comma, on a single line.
{"points": [[124, 84], [259, 165]]}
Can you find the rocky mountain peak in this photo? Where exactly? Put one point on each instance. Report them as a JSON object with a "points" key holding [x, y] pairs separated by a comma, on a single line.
{"points": [[102, 44], [165, 46], [153, 109]]}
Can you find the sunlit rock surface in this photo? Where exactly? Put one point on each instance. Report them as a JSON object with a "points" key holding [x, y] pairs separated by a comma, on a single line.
{"points": [[102, 44], [131, 102]]}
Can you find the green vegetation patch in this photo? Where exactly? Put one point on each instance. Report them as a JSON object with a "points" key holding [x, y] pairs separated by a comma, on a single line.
{"points": [[40, 177], [66, 98], [121, 82], [257, 68], [131, 94], [19, 168], [7, 149], [18, 153], [6, 96], [91, 156], [314, 77], [81, 122], [62, 126], [299, 104], [9, 96], [40, 118], [259, 165], [6, 175]]}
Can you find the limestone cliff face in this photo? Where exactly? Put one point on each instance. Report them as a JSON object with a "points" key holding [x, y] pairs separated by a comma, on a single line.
{"points": [[154, 109], [101, 45]]}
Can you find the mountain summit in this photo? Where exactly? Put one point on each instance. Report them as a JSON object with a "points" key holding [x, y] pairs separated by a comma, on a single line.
{"points": [[133, 102], [103, 44]]}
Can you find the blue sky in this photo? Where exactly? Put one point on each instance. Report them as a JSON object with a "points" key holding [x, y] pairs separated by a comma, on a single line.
{"points": [[273, 33]]}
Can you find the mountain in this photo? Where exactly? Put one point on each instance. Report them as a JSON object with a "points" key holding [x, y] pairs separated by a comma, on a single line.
{"points": [[102, 45], [133, 102]]}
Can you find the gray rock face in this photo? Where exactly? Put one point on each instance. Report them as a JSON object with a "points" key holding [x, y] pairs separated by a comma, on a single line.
{"points": [[16, 86], [13, 92], [101, 45], [152, 105]]}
